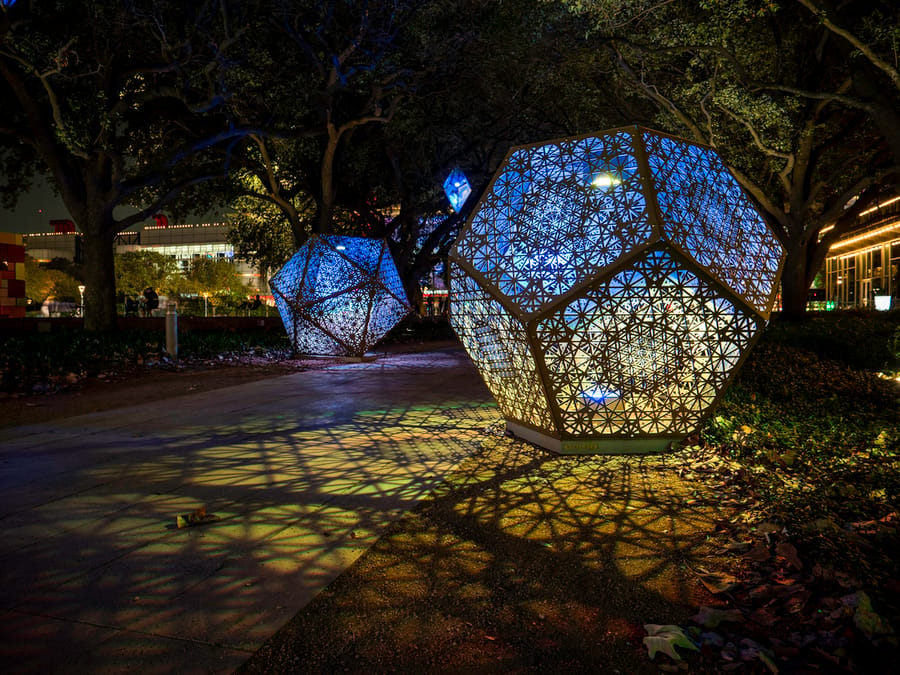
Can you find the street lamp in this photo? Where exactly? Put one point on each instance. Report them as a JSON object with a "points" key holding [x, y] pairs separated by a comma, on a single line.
{"points": [[81, 288], [205, 312]]}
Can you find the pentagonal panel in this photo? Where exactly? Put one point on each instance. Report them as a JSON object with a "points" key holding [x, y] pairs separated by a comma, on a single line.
{"points": [[556, 213], [499, 347], [339, 295], [705, 213], [645, 353]]}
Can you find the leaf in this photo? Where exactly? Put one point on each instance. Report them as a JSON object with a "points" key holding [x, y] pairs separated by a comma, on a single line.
{"points": [[763, 617], [759, 553], [866, 619], [737, 547], [196, 517], [770, 663], [717, 583], [789, 553], [710, 617], [665, 639]]}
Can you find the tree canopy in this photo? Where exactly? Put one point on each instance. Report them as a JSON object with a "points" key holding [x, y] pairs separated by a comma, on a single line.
{"points": [[773, 89], [346, 116], [136, 270], [118, 104]]}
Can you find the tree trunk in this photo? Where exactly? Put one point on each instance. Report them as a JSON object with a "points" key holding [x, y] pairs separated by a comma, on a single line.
{"points": [[99, 279], [796, 278], [326, 205]]}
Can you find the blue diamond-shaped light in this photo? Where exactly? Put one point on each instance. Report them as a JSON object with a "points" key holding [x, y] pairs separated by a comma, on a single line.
{"points": [[457, 189], [339, 295], [608, 286]]}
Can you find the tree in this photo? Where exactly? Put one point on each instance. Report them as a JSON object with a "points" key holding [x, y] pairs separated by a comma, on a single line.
{"points": [[119, 104], [508, 74], [213, 276], [136, 270], [260, 235], [457, 83], [868, 34], [45, 283], [320, 72], [768, 92]]}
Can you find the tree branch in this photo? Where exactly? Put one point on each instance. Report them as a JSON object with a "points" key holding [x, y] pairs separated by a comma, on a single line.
{"points": [[873, 58]]}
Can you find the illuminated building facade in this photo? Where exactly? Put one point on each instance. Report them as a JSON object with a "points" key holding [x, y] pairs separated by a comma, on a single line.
{"points": [[608, 286], [862, 269], [185, 243], [339, 295]]}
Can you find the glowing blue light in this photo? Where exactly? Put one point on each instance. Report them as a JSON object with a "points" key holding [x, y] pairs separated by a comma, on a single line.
{"points": [[457, 189], [7, 3], [601, 395]]}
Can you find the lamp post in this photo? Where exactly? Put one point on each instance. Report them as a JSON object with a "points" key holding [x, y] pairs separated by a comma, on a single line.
{"points": [[81, 288], [205, 312]]}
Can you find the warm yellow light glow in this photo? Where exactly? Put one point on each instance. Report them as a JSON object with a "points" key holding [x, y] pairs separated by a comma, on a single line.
{"points": [[864, 213], [894, 227], [879, 206]]}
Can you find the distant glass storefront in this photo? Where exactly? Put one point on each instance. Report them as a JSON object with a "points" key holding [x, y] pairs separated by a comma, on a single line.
{"points": [[862, 270]]}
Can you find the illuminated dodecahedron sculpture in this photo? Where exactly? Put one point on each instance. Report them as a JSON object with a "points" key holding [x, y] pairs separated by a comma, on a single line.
{"points": [[339, 295], [608, 286]]}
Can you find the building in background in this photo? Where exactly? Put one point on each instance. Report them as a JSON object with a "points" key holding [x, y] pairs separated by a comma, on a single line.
{"points": [[62, 242], [862, 269], [12, 275], [183, 243]]}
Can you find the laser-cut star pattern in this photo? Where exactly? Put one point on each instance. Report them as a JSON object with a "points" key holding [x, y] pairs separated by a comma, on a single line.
{"points": [[339, 295], [608, 286]]}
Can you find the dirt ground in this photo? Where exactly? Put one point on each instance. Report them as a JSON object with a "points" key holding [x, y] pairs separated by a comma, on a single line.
{"points": [[134, 386], [523, 561]]}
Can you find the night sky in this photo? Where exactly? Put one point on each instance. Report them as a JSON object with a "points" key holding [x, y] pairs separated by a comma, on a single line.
{"points": [[37, 208], [34, 212]]}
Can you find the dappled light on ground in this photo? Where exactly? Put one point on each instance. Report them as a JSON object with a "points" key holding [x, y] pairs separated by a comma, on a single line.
{"points": [[521, 556], [299, 476]]}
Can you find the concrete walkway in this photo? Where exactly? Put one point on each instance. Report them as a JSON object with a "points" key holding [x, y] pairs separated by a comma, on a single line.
{"points": [[303, 473]]}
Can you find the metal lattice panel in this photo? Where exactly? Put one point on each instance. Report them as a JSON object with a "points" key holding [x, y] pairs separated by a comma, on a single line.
{"points": [[644, 353], [498, 345], [607, 287], [544, 226], [706, 213], [339, 295]]}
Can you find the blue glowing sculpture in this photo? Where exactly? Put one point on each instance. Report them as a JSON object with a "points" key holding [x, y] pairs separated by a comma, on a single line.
{"points": [[457, 189], [608, 286], [339, 295]]}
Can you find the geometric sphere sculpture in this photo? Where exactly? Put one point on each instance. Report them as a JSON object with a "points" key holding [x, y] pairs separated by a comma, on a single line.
{"points": [[339, 295], [607, 288]]}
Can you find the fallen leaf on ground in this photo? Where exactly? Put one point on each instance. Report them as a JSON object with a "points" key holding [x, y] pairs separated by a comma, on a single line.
{"points": [[665, 639], [710, 617], [717, 583], [196, 517], [789, 553]]}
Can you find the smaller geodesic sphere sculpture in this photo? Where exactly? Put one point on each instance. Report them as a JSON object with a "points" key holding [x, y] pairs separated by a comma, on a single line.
{"points": [[339, 295], [608, 286]]}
